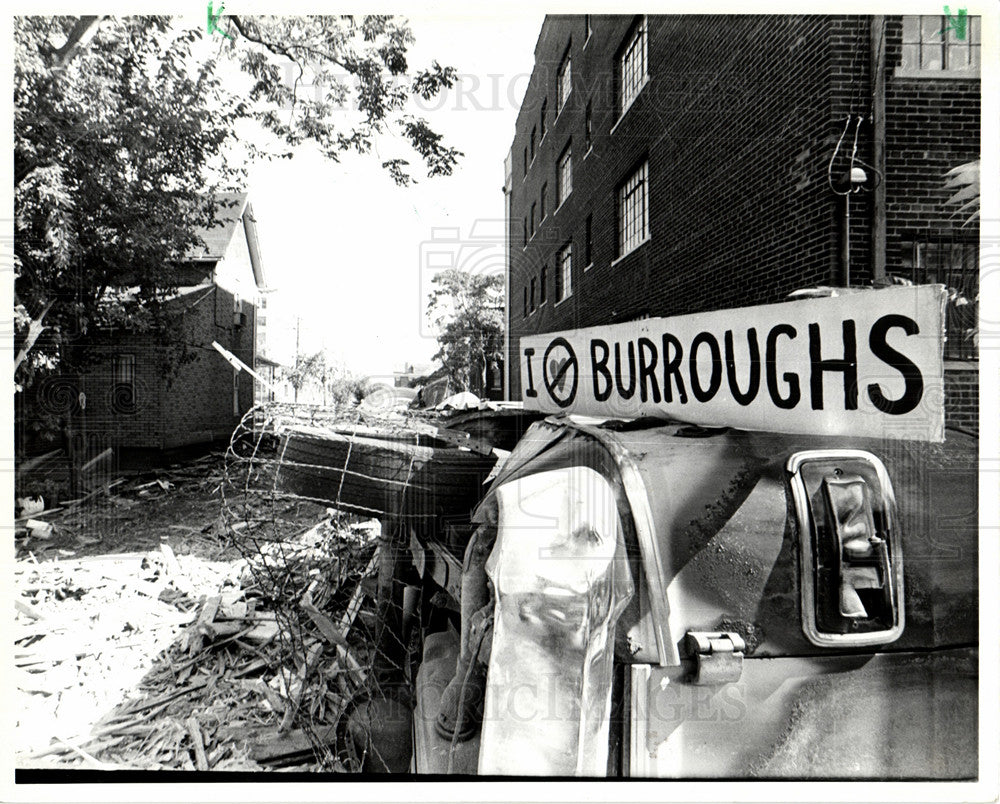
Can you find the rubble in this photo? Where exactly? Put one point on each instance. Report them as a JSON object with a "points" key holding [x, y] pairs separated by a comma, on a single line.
{"points": [[229, 688]]}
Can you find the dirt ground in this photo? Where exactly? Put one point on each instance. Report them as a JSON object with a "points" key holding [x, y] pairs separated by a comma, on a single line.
{"points": [[145, 638]]}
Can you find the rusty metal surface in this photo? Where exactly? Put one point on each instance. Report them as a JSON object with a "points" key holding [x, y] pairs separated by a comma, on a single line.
{"points": [[888, 716]]}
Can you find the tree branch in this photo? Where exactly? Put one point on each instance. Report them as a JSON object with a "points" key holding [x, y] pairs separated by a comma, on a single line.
{"points": [[35, 328]]}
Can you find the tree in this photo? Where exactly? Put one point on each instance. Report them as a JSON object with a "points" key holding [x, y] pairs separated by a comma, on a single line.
{"points": [[964, 179], [467, 310], [124, 128], [307, 368]]}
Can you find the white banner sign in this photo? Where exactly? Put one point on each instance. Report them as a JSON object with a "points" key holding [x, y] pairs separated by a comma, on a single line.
{"points": [[865, 364]]}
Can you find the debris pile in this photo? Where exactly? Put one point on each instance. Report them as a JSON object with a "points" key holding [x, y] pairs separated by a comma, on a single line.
{"points": [[237, 684]]}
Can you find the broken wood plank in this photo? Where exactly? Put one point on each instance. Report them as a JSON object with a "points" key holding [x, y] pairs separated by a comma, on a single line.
{"points": [[194, 729], [34, 463], [205, 619], [97, 459], [295, 746], [322, 622], [169, 697]]}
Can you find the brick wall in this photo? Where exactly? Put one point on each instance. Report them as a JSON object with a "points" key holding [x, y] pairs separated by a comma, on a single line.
{"points": [[961, 396], [738, 121], [191, 405], [735, 123], [198, 401]]}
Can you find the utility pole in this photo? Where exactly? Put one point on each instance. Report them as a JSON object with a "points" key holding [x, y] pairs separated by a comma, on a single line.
{"points": [[295, 387]]}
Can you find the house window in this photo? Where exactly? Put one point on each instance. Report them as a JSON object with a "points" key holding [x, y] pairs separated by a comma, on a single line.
{"points": [[533, 220], [564, 273], [632, 65], [589, 128], [531, 296], [564, 82], [541, 203], [123, 399], [936, 44], [532, 144], [525, 301], [542, 285], [525, 163], [955, 265], [541, 117], [565, 183], [588, 243], [633, 211], [524, 231]]}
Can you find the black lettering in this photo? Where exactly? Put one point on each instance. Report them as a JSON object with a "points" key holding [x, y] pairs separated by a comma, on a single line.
{"points": [[623, 392], [715, 380], [743, 397], [600, 367], [848, 364], [913, 391], [672, 368], [771, 369], [530, 390], [646, 370]]}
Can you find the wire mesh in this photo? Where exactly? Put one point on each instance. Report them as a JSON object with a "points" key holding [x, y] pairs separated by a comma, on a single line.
{"points": [[317, 582]]}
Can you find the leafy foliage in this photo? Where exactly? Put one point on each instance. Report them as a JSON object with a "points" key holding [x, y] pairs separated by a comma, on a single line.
{"points": [[467, 310], [125, 129], [964, 179]]}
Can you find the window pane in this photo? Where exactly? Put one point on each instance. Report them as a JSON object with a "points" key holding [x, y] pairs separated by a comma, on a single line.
{"points": [[958, 56], [911, 28], [932, 56], [633, 211], [931, 28], [633, 66], [911, 57]]}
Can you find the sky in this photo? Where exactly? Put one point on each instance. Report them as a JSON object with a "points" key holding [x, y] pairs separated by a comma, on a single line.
{"points": [[349, 254]]}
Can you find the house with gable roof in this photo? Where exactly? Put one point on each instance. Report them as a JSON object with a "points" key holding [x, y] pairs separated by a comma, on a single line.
{"points": [[129, 400]]}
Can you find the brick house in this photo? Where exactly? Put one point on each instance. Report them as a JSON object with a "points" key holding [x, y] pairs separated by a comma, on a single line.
{"points": [[665, 165], [132, 403]]}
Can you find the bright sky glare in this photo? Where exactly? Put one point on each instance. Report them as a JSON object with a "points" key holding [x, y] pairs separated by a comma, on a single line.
{"points": [[349, 253]]}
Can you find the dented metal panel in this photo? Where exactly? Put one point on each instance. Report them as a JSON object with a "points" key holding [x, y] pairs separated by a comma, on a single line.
{"points": [[887, 716]]}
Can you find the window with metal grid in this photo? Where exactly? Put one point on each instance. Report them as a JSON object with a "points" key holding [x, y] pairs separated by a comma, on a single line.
{"points": [[633, 65], [954, 264], [633, 211], [565, 185], [941, 43], [564, 272], [564, 82]]}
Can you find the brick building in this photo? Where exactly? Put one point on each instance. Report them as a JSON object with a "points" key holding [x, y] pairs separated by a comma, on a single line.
{"points": [[665, 165], [130, 400]]}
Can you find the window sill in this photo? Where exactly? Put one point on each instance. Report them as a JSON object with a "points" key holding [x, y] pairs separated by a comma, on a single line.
{"points": [[948, 75], [563, 202], [559, 111], [588, 266], [638, 92], [564, 298], [632, 250], [590, 150]]}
